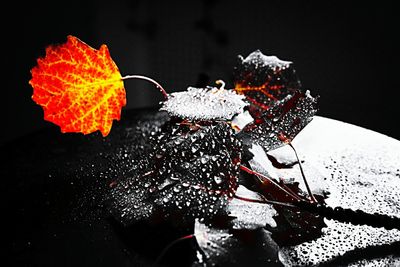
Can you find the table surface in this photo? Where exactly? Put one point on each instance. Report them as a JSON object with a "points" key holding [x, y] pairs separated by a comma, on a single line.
{"points": [[50, 220]]}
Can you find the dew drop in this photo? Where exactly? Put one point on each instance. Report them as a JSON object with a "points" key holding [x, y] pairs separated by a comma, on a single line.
{"points": [[152, 189], [177, 189], [218, 180], [196, 187], [177, 141], [195, 148], [186, 165], [204, 160], [178, 204], [174, 178]]}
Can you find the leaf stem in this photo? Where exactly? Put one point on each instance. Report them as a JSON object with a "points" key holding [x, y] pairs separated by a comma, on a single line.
{"points": [[303, 175], [157, 261], [244, 168], [266, 201], [141, 77]]}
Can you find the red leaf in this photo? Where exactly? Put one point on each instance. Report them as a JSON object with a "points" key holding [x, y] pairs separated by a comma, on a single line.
{"points": [[79, 88]]}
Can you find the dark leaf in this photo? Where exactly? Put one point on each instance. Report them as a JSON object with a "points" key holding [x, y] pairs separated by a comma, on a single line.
{"points": [[265, 79], [282, 122], [189, 173]]}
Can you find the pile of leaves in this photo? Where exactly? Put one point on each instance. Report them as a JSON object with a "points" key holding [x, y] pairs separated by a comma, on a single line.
{"points": [[206, 166]]}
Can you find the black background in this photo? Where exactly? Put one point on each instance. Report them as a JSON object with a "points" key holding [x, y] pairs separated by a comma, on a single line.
{"points": [[345, 52]]}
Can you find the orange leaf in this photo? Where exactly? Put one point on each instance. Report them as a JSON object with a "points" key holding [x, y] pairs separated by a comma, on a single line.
{"points": [[80, 88]]}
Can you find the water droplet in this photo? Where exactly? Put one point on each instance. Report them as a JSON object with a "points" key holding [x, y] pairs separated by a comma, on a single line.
{"points": [[177, 189], [204, 160], [174, 178], [195, 148], [178, 204], [177, 141], [162, 170], [196, 186], [212, 144], [218, 180], [152, 189]]}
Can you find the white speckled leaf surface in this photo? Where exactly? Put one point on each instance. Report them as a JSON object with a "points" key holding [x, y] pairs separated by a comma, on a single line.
{"points": [[360, 170]]}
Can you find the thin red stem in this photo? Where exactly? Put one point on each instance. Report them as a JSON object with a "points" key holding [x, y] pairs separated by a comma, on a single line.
{"points": [[169, 246], [266, 201], [140, 77], [303, 175], [291, 191], [244, 168]]}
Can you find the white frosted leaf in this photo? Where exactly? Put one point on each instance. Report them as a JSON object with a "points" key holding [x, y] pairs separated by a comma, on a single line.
{"points": [[241, 120], [360, 171], [315, 176], [204, 104], [250, 215], [388, 261], [260, 162]]}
